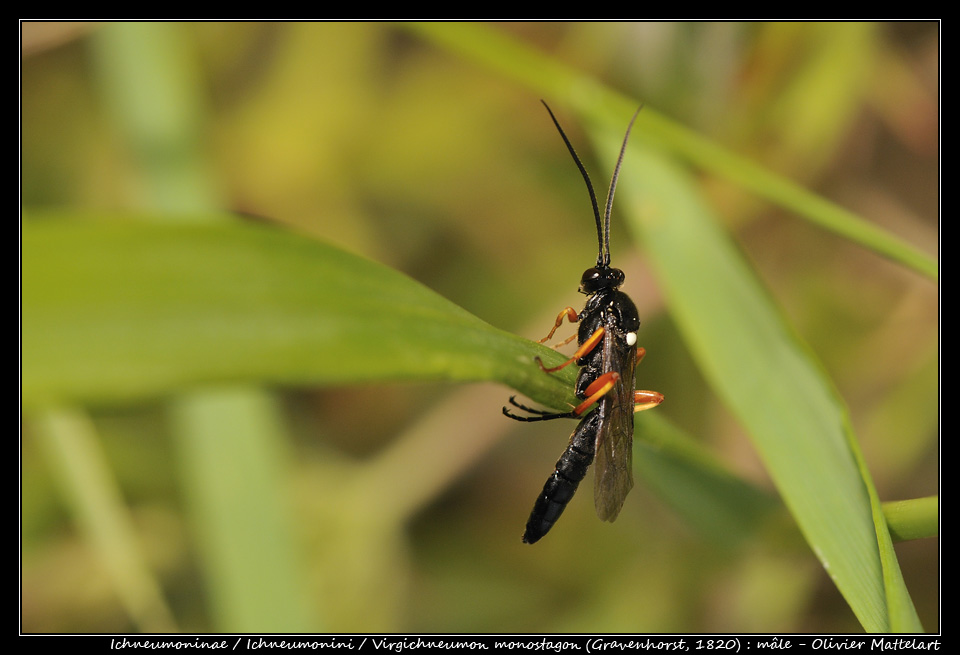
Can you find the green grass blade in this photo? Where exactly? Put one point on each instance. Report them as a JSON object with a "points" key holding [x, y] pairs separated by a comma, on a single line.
{"points": [[913, 519], [234, 467], [228, 440], [120, 311], [798, 423], [563, 85], [117, 311], [92, 494], [900, 609], [768, 379], [724, 508]]}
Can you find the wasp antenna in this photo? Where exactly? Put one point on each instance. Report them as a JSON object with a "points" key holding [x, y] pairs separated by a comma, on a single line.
{"points": [[605, 246], [602, 254]]}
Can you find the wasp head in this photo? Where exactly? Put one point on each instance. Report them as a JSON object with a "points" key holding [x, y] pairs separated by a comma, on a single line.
{"points": [[600, 277]]}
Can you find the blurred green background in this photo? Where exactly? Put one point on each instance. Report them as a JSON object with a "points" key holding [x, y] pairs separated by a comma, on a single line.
{"points": [[263, 493]]}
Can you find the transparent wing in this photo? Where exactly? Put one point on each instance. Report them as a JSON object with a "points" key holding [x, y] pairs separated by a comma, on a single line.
{"points": [[614, 447]]}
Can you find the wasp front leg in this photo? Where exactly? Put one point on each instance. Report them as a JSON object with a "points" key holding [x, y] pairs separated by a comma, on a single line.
{"points": [[571, 315], [585, 348]]}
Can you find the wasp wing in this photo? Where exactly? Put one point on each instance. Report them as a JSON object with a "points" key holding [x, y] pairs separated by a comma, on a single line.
{"points": [[614, 446]]}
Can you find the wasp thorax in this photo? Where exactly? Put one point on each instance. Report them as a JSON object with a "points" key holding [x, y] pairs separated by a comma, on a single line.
{"points": [[598, 278]]}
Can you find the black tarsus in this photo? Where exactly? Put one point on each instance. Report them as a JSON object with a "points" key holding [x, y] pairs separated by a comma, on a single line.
{"points": [[540, 415]]}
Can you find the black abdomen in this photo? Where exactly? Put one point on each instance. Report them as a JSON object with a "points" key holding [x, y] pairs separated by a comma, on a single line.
{"points": [[560, 487]]}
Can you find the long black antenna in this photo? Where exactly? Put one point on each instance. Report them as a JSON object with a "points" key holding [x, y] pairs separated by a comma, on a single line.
{"points": [[603, 227], [593, 196], [613, 188]]}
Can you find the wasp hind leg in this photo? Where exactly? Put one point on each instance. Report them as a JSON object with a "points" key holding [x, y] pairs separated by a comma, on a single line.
{"points": [[538, 414], [644, 400]]}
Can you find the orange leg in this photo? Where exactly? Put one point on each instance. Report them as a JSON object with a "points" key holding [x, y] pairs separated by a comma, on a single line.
{"points": [[561, 344], [571, 315], [646, 400], [597, 389], [585, 348]]}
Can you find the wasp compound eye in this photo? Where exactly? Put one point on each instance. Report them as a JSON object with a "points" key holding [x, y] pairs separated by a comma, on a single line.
{"points": [[590, 281]]}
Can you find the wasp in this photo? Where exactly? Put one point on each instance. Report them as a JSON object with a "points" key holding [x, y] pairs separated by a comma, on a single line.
{"points": [[607, 355]]}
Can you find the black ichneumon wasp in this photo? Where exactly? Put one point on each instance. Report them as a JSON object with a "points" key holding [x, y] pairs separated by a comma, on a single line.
{"points": [[607, 356]]}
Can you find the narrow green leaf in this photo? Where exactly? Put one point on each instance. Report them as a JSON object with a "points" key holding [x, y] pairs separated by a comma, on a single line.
{"points": [[757, 365], [92, 494], [790, 409], [900, 610], [229, 439], [562, 84], [724, 508], [913, 519], [117, 311], [234, 457]]}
